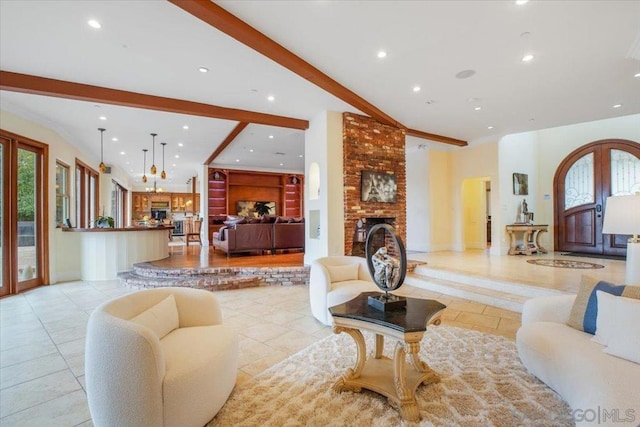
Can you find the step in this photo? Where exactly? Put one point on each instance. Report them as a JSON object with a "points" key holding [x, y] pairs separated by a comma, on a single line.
{"points": [[493, 283], [485, 290], [494, 298], [203, 281]]}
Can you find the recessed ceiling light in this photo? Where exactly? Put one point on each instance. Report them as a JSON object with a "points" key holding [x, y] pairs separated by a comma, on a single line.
{"points": [[281, 164], [521, 2], [94, 24], [527, 58], [251, 150], [122, 153], [382, 54], [185, 127], [114, 139], [102, 118], [416, 88], [237, 160], [177, 156], [203, 70], [636, 75], [173, 164], [271, 98], [478, 108], [489, 127], [180, 144], [270, 136], [301, 155], [617, 106]]}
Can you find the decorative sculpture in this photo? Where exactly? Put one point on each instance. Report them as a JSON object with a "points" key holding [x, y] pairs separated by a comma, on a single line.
{"points": [[388, 273]]}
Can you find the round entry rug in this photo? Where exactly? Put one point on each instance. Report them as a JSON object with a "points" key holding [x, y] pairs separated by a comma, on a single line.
{"points": [[560, 263]]}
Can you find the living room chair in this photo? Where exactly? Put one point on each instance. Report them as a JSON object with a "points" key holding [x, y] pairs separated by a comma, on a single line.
{"points": [[192, 231], [337, 279], [159, 357]]}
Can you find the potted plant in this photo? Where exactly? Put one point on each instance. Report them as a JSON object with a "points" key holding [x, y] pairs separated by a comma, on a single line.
{"points": [[104, 222]]}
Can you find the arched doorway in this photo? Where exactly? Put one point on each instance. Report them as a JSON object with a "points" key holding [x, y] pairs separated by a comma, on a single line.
{"points": [[582, 184]]}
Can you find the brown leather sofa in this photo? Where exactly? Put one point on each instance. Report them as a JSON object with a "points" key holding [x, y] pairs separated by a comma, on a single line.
{"points": [[259, 237], [288, 235]]}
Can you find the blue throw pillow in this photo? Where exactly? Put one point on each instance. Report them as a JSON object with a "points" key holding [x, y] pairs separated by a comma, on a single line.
{"points": [[585, 308]]}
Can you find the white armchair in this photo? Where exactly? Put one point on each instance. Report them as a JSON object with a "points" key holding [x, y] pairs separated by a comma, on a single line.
{"points": [[159, 357], [337, 279]]}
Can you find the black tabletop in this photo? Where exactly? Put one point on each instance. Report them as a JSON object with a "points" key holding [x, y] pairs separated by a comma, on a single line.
{"points": [[412, 318]]}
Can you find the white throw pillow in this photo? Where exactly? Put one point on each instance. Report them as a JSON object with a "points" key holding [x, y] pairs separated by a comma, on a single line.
{"points": [[341, 273], [606, 320], [625, 340], [162, 318]]}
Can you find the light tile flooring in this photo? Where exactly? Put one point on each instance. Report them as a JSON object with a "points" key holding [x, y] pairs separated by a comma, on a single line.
{"points": [[42, 332]]}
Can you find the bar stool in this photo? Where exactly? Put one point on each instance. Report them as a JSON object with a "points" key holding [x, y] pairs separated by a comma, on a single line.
{"points": [[192, 232]]}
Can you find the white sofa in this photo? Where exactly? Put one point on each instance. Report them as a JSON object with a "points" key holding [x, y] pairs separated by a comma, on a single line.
{"points": [[337, 279], [159, 357], [566, 359]]}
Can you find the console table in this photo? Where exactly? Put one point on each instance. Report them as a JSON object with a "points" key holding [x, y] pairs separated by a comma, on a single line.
{"points": [[530, 238], [378, 373]]}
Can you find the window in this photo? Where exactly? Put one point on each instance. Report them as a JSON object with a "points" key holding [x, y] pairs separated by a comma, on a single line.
{"points": [[87, 186], [62, 193], [118, 204]]}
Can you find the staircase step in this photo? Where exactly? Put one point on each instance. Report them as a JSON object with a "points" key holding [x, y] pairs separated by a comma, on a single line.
{"points": [[485, 290], [507, 286]]}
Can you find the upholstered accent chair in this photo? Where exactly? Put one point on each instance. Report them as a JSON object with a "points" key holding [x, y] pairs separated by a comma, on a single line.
{"points": [[337, 279], [159, 357]]}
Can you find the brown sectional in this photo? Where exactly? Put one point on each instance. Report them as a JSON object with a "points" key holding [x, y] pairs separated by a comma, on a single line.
{"points": [[259, 237]]}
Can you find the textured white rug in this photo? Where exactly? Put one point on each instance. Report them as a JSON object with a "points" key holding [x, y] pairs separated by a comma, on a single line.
{"points": [[482, 383]]}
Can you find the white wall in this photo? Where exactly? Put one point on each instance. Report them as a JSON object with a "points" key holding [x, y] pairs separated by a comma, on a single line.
{"points": [[479, 161], [323, 145], [418, 199]]}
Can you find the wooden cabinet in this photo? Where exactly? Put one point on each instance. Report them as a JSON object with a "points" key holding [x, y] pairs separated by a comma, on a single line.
{"points": [[293, 186], [140, 205], [183, 202]]}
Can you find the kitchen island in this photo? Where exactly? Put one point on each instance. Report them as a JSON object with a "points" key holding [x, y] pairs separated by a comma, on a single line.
{"points": [[105, 252]]}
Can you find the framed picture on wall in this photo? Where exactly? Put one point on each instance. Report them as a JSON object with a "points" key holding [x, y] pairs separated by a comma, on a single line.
{"points": [[378, 187], [520, 184]]}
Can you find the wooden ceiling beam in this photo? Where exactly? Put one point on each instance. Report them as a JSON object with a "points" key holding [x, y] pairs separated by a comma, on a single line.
{"points": [[229, 24], [219, 18], [437, 138], [228, 140], [25, 83]]}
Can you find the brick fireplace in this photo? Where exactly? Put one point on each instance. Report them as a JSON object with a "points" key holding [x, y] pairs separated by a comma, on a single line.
{"points": [[373, 146]]}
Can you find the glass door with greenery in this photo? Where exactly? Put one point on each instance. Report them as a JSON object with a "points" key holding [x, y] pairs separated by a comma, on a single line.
{"points": [[23, 219]]}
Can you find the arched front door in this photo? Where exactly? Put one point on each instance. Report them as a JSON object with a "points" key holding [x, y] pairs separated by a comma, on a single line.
{"points": [[582, 184]]}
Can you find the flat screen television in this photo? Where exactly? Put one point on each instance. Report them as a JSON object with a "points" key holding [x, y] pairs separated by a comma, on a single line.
{"points": [[158, 214], [378, 187]]}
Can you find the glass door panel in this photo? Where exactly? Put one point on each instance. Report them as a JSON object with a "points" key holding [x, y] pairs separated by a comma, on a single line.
{"points": [[4, 258], [27, 207]]}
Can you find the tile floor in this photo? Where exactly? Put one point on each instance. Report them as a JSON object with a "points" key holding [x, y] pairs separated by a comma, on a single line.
{"points": [[42, 335]]}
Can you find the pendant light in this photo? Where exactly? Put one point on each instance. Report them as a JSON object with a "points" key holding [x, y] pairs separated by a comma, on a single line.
{"points": [[102, 166], [153, 163], [163, 175], [144, 165]]}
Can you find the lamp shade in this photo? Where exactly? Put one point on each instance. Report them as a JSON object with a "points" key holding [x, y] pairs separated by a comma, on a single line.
{"points": [[622, 215]]}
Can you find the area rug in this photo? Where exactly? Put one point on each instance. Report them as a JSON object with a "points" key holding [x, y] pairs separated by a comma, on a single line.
{"points": [[482, 383], [560, 263]]}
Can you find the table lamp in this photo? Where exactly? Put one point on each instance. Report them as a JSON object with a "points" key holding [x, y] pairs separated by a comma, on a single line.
{"points": [[622, 216]]}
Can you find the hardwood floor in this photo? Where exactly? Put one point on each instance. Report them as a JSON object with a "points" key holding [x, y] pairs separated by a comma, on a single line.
{"points": [[202, 256]]}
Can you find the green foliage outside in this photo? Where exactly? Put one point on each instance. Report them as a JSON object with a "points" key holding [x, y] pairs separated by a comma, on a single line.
{"points": [[26, 185]]}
